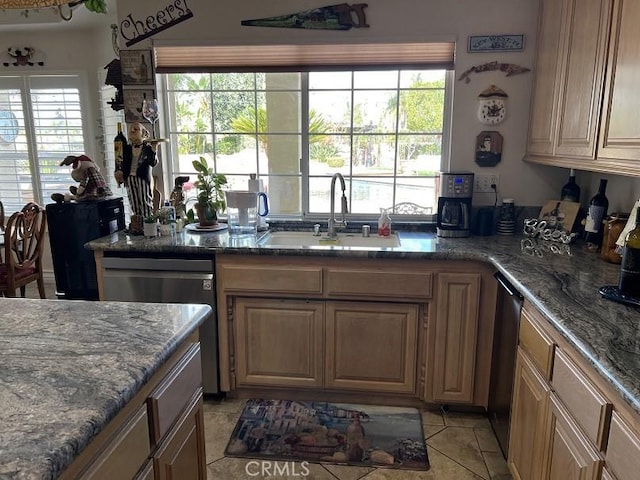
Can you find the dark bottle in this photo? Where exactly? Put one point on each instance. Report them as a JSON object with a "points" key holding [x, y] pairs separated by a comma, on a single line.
{"points": [[594, 226], [118, 147], [571, 191], [629, 283]]}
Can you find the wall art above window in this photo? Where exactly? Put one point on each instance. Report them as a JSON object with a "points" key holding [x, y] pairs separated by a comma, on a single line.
{"points": [[496, 43], [334, 17]]}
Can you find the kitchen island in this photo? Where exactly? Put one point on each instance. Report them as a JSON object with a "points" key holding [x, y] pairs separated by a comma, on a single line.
{"points": [[69, 368]]}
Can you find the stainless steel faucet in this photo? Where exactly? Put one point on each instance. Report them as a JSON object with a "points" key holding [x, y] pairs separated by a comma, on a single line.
{"points": [[331, 227]]}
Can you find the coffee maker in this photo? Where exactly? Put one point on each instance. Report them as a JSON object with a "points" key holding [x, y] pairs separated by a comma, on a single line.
{"points": [[454, 204]]}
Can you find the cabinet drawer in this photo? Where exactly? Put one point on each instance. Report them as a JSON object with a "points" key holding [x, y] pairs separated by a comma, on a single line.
{"points": [[273, 279], [536, 342], [124, 455], [379, 283], [623, 450], [585, 402], [168, 400]]}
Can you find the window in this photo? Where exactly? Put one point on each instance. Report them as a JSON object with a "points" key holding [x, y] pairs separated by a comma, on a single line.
{"points": [[383, 130], [41, 123]]}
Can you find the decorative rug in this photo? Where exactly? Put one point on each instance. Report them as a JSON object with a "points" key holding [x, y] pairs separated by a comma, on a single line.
{"points": [[362, 435]]}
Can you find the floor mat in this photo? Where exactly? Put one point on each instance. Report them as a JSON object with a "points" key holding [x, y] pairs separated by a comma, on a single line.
{"points": [[363, 435]]}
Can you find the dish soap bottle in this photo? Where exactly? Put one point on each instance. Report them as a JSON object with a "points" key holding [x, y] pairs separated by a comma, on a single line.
{"points": [[384, 223]]}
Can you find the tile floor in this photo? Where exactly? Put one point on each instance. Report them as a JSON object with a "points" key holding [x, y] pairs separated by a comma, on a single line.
{"points": [[460, 446]]}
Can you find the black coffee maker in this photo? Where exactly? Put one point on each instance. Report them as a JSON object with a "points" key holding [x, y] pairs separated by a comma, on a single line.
{"points": [[454, 204]]}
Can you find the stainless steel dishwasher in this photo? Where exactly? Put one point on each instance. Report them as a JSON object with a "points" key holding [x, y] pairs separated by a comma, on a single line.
{"points": [[169, 280], [503, 361]]}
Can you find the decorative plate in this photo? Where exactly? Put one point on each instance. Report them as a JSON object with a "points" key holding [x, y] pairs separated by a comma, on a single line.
{"points": [[196, 227], [9, 128]]}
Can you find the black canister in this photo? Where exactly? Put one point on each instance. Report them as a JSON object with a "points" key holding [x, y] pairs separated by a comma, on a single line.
{"points": [[484, 222]]}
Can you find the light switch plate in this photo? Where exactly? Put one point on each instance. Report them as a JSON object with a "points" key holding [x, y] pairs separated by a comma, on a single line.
{"points": [[482, 183]]}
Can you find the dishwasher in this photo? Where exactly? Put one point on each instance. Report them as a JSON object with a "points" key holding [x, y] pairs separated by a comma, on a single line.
{"points": [[503, 361], [169, 280]]}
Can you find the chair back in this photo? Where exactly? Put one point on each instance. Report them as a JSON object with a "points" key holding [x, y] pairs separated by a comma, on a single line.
{"points": [[24, 238], [1, 215]]}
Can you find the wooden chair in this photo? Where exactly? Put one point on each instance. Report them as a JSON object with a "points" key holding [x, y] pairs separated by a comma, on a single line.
{"points": [[23, 244], [1, 215]]}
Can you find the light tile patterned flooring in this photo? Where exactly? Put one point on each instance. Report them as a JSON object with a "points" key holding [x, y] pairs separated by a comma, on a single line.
{"points": [[460, 446]]}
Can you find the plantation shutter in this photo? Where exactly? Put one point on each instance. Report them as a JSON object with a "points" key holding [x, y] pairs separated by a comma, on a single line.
{"points": [[300, 58], [48, 126]]}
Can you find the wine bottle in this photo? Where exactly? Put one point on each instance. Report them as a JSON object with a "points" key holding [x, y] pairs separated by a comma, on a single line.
{"points": [[570, 191], [629, 283], [594, 226], [118, 147]]}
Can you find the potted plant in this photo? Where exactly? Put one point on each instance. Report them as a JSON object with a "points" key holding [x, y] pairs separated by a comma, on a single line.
{"points": [[150, 227], [210, 194]]}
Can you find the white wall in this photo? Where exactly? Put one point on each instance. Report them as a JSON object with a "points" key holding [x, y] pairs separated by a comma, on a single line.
{"points": [[401, 20], [404, 21]]}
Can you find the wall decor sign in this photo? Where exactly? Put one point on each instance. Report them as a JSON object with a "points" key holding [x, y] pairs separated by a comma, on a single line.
{"points": [[134, 30], [333, 17], [509, 68], [488, 148], [136, 67], [22, 57], [496, 43]]}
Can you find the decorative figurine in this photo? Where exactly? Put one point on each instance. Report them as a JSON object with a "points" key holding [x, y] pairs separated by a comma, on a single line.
{"points": [[92, 185], [139, 157]]}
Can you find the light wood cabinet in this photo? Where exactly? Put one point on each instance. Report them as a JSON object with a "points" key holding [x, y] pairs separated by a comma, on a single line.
{"points": [[371, 346], [179, 456], [571, 455], [349, 326], [572, 424], [623, 451], [455, 337], [584, 106], [569, 77], [279, 342], [529, 421], [620, 129]]}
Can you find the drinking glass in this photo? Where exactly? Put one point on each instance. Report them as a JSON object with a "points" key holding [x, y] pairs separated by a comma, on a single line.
{"points": [[150, 112]]}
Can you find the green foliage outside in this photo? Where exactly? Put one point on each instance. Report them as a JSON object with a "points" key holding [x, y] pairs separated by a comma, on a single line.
{"points": [[246, 123]]}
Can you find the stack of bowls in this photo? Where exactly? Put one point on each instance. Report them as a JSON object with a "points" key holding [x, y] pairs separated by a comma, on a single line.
{"points": [[507, 219]]}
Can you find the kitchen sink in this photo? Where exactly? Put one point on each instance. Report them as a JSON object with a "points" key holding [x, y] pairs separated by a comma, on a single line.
{"points": [[343, 240]]}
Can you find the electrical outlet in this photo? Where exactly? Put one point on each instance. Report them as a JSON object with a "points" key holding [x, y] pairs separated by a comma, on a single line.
{"points": [[482, 183]]}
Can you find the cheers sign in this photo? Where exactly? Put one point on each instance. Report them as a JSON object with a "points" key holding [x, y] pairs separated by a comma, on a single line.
{"points": [[134, 30]]}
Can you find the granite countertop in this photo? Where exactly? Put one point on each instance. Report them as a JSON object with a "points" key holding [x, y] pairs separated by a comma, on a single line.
{"points": [[562, 281], [68, 367]]}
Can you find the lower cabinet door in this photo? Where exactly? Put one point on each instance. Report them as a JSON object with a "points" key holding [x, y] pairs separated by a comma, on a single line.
{"points": [[572, 456], [455, 337], [278, 342], [181, 455], [371, 346], [529, 421]]}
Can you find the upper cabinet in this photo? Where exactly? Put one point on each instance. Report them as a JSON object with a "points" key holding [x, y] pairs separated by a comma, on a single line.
{"points": [[620, 129], [584, 107]]}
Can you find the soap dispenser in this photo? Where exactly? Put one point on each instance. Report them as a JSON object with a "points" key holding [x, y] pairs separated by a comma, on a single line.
{"points": [[384, 223]]}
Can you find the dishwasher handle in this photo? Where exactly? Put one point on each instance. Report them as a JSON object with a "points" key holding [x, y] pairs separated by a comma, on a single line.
{"points": [[510, 289]]}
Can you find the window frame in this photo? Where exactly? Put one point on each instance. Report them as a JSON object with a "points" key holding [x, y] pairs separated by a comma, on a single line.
{"points": [[168, 125]]}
